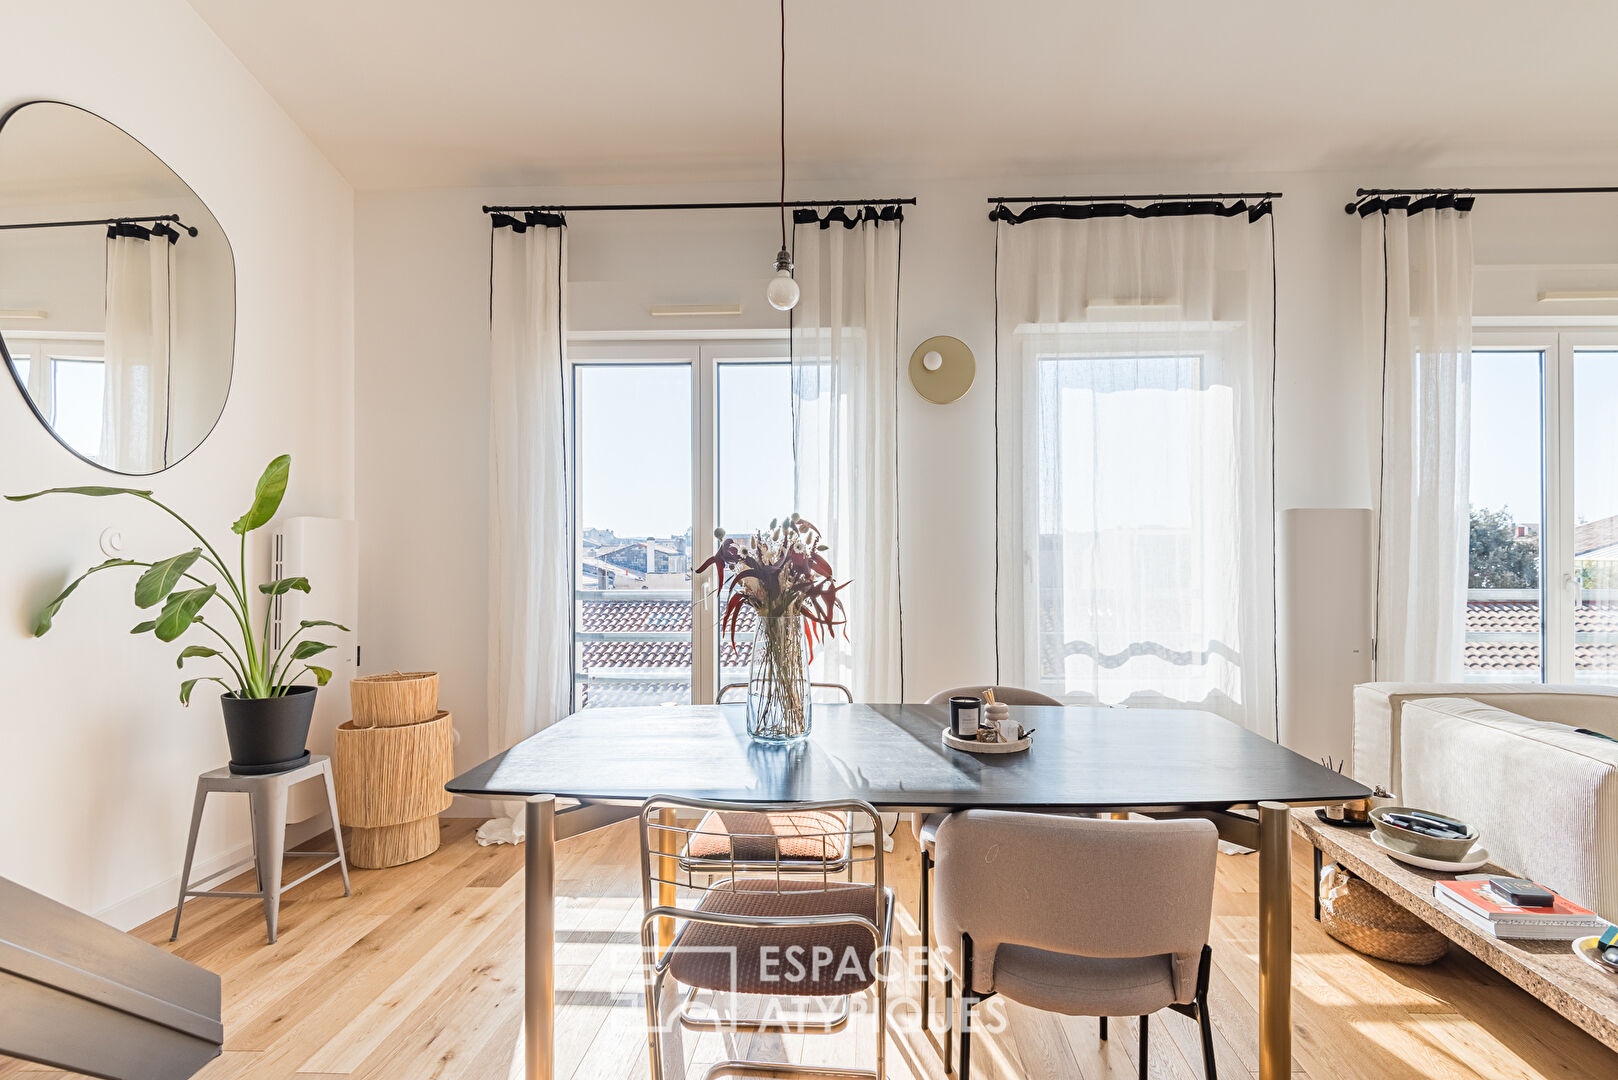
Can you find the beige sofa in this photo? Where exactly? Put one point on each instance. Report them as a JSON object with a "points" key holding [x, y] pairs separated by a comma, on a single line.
{"points": [[1506, 758]]}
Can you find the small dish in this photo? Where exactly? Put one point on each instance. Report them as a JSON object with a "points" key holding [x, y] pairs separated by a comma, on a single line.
{"points": [[1473, 859], [973, 746], [1415, 843], [1345, 823], [1585, 949]]}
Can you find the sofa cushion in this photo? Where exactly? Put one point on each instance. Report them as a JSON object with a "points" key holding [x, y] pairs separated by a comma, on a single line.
{"points": [[1378, 707], [1543, 796]]}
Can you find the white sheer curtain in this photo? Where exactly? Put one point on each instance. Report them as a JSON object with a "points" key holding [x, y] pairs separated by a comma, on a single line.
{"points": [[1134, 388], [1417, 290], [845, 401], [530, 593], [135, 402]]}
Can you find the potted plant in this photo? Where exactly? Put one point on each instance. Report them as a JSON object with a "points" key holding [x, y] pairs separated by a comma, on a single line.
{"points": [[267, 710], [783, 575]]}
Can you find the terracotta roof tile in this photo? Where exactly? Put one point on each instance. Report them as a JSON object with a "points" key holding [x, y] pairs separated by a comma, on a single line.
{"points": [[1522, 617]]}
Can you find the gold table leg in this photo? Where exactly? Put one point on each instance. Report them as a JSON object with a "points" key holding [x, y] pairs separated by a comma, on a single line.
{"points": [[1274, 941], [539, 938]]}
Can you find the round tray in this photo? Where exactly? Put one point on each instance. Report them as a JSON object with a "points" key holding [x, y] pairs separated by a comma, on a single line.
{"points": [[972, 746], [1585, 949], [1344, 824], [1475, 858]]}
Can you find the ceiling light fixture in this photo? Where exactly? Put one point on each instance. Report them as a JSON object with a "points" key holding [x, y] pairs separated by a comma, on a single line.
{"points": [[1577, 295], [782, 291]]}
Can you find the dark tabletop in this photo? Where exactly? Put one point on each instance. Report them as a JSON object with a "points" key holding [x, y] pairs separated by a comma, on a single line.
{"points": [[893, 757]]}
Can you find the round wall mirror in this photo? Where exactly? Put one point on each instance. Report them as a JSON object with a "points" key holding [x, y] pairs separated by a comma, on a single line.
{"points": [[117, 291]]}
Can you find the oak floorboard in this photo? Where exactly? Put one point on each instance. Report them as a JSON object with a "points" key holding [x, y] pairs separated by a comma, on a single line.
{"points": [[418, 975]]}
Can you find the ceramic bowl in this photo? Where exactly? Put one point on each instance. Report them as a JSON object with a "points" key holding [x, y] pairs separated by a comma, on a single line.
{"points": [[1427, 847]]}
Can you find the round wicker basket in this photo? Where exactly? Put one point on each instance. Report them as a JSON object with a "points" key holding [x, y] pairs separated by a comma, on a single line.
{"points": [[388, 776], [396, 699], [1368, 922]]}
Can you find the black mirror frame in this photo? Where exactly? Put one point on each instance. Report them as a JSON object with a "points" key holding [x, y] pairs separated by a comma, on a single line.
{"points": [[5, 354]]}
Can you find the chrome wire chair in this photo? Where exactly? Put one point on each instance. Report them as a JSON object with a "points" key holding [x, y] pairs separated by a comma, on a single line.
{"points": [[834, 687], [709, 851], [775, 926]]}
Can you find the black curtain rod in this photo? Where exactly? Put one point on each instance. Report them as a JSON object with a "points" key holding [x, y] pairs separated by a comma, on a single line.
{"points": [[102, 221], [1371, 193], [697, 206], [1196, 196]]}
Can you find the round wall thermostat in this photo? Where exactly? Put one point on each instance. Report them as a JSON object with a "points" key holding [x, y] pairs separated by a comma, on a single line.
{"points": [[942, 369]]}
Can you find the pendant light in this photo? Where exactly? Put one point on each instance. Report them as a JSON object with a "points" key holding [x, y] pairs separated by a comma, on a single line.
{"points": [[782, 291]]}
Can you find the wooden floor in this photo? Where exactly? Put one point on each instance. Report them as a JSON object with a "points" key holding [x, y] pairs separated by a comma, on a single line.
{"points": [[418, 977]]}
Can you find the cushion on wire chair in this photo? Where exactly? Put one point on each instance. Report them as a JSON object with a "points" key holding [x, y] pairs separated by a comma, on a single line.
{"points": [[789, 961], [814, 836]]}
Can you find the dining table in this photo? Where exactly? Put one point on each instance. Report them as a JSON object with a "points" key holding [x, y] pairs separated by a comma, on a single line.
{"points": [[598, 766]]}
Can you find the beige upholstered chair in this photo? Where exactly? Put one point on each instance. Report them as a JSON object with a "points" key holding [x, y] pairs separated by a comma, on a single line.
{"points": [[926, 825], [1079, 917], [792, 921]]}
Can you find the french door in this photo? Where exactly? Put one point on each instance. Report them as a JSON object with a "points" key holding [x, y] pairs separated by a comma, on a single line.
{"points": [[1542, 596], [671, 440]]}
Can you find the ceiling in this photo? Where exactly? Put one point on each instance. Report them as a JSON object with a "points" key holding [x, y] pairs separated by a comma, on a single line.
{"points": [[429, 93]]}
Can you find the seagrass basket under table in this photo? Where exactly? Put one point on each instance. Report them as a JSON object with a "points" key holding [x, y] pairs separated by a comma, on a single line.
{"points": [[1367, 921]]}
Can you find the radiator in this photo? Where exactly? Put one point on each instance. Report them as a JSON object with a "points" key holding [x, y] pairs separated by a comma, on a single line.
{"points": [[1323, 580]]}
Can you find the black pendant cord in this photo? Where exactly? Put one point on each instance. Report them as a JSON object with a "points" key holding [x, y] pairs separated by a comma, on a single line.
{"points": [[783, 124], [1363, 194], [157, 219]]}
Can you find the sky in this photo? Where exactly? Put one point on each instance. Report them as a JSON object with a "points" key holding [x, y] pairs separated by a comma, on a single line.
{"points": [[1506, 433], [635, 446], [634, 441]]}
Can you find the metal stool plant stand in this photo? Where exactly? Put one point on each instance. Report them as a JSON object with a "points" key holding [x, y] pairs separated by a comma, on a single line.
{"points": [[267, 796]]}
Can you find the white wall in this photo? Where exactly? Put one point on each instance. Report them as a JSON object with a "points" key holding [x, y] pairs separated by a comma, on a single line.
{"points": [[422, 316], [97, 774]]}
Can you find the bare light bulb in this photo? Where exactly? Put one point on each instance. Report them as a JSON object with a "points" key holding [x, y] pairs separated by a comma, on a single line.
{"points": [[782, 291], [933, 360]]}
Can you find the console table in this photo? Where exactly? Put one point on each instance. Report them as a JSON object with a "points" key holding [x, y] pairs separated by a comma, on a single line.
{"points": [[1546, 969]]}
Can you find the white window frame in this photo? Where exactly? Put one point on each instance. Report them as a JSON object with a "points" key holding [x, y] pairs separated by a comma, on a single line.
{"points": [[703, 352], [1558, 584], [52, 346]]}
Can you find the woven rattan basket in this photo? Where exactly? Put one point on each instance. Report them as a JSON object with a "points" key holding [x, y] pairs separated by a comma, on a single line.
{"points": [[395, 699], [1368, 922], [390, 788]]}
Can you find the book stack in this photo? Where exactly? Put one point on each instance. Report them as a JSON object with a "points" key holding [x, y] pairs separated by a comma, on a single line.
{"points": [[1476, 903]]}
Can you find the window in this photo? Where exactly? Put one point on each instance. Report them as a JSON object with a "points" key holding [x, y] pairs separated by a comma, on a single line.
{"points": [[670, 440], [1542, 582], [755, 482], [79, 399], [1138, 504], [73, 402]]}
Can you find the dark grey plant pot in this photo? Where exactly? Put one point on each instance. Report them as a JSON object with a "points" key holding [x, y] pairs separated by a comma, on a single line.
{"points": [[268, 735]]}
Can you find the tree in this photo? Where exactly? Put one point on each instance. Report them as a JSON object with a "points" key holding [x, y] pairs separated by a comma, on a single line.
{"points": [[1497, 559]]}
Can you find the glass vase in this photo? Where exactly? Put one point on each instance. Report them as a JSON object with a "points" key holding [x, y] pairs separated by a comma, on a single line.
{"points": [[778, 681]]}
